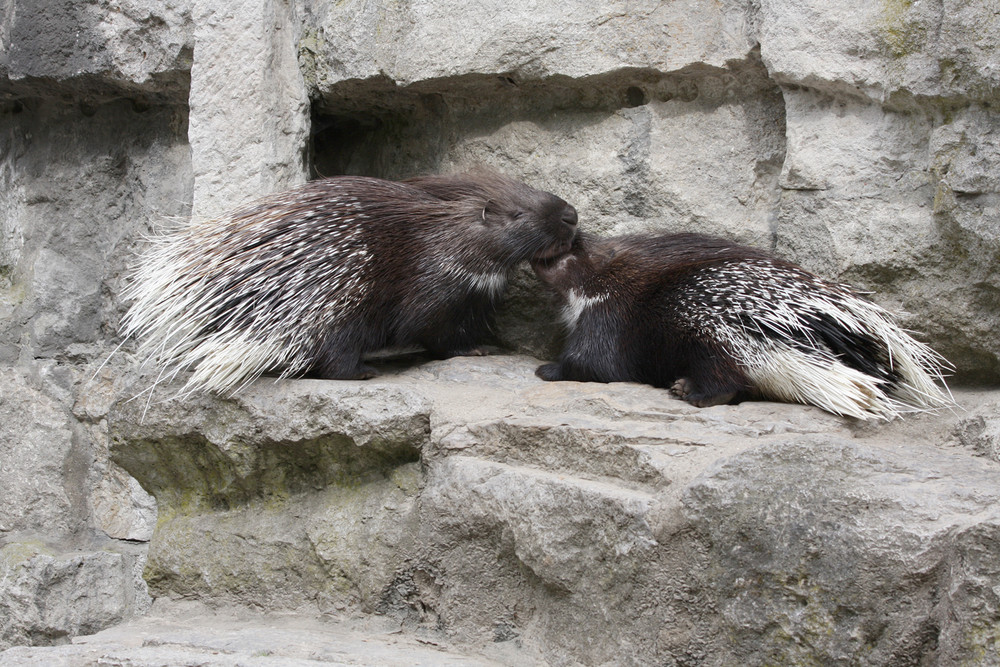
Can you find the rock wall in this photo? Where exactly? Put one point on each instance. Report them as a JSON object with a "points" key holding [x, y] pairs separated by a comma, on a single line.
{"points": [[858, 139]]}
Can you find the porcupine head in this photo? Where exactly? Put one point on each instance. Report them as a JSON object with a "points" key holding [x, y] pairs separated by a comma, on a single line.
{"points": [[581, 280]]}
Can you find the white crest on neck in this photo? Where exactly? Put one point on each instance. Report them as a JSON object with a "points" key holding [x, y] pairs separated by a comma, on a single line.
{"points": [[576, 303], [492, 283]]}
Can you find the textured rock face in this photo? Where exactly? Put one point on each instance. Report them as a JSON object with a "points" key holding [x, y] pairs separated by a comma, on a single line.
{"points": [[188, 634], [291, 486], [93, 153], [138, 47], [48, 597], [853, 563], [856, 139], [38, 446], [249, 108], [859, 139]]}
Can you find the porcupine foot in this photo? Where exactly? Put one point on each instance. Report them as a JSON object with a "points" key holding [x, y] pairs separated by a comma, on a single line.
{"points": [[463, 352], [549, 372], [684, 388], [569, 370], [342, 366]]}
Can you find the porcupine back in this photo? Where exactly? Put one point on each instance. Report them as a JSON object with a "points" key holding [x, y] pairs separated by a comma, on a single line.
{"points": [[803, 339], [317, 276], [232, 292]]}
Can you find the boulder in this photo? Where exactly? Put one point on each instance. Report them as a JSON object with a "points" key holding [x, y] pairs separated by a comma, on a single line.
{"points": [[49, 596]]}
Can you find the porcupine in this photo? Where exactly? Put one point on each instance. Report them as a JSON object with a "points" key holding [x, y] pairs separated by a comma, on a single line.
{"points": [[716, 322], [313, 279]]}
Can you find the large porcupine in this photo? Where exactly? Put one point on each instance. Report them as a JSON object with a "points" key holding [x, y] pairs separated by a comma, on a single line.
{"points": [[312, 279], [717, 322]]}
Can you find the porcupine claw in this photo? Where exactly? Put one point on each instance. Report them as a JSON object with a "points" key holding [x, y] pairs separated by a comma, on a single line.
{"points": [[684, 389]]}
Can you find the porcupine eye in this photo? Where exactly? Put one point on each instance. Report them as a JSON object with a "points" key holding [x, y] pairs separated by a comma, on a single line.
{"points": [[514, 215], [488, 218], [506, 217]]}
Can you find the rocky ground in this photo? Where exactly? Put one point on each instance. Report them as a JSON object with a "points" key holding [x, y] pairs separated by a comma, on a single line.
{"points": [[189, 635], [467, 503]]}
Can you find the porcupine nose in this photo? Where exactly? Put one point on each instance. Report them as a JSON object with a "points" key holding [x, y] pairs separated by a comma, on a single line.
{"points": [[569, 216]]}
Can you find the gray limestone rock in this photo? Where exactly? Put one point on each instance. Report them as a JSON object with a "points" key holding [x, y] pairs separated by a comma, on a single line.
{"points": [[37, 448], [249, 109], [185, 634], [294, 492], [835, 551], [883, 50], [49, 596], [419, 42], [138, 47], [979, 427]]}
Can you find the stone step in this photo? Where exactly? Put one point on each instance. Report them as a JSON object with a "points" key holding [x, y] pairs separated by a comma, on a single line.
{"points": [[48, 595], [186, 634], [598, 524]]}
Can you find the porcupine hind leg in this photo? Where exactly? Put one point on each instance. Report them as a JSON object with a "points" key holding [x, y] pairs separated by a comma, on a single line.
{"points": [[687, 389], [445, 347], [341, 358], [711, 379], [461, 337], [343, 367]]}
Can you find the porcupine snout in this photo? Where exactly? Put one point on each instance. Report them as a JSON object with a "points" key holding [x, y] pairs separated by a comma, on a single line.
{"points": [[562, 224], [569, 217]]}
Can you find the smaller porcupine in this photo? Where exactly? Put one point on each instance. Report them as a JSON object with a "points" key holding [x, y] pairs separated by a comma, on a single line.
{"points": [[315, 278], [717, 322]]}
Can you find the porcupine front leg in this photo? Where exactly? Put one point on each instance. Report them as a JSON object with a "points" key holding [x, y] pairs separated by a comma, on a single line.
{"points": [[462, 335], [550, 372], [591, 353], [341, 358], [581, 362]]}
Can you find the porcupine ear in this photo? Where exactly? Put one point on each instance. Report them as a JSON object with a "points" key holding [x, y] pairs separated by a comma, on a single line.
{"points": [[467, 190]]}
